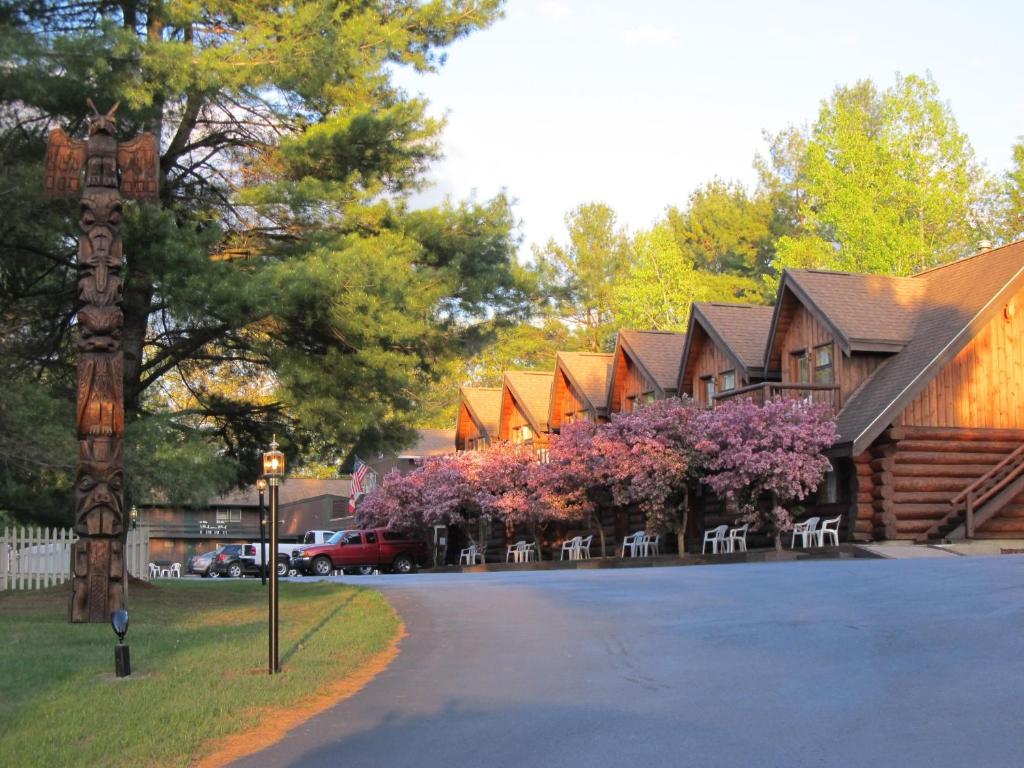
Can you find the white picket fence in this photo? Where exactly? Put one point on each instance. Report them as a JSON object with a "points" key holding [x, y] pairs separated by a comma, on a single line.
{"points": [[34, 558]]}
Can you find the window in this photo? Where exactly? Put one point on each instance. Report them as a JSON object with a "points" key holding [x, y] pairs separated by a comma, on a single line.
{"points": [[801, 367], [647, 397], [828, 491], [393, 536], [371, 537], [352, 537], [709, 390], [823, 364], [570, 418], [229, 515], [728, 380]]}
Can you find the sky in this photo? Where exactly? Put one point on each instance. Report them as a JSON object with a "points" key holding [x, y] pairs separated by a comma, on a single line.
{"points": [[636, 104]]}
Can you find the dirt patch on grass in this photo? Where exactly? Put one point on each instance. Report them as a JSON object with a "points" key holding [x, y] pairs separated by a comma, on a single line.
{"points": [[275, 723]]}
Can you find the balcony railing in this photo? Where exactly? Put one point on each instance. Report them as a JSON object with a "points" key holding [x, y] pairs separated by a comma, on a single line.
{"points": [[759, 393]]}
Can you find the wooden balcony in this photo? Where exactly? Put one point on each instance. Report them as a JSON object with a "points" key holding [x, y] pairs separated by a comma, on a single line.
{"points": [[759, 393]]}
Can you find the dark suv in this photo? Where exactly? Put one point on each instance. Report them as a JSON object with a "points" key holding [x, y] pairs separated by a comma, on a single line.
{"points": [[235, 560]]}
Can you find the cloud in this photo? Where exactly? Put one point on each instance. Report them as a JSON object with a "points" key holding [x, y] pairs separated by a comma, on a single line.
{"points": [[648, 33], [553, 11]]}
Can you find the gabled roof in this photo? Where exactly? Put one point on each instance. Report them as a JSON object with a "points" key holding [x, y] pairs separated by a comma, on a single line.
{"points": [[484, 406], [958, 299], [587, 372], [866, 313], [659, 354], [739, 330], [531, 392], [430, 442]]}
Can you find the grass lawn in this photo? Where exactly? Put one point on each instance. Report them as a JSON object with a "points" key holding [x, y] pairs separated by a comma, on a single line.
{"points": [[199, 660]]}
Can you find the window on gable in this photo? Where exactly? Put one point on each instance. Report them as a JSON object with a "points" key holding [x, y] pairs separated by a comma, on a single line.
{"points": [[823, 371], [800, 365], [709, 390], [728, 379]]}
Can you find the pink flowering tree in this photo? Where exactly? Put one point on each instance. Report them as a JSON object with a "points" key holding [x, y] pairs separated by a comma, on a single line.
{"points": [[576, 481], [777, 450], [651, 460], [502, 487], [438, 492]]}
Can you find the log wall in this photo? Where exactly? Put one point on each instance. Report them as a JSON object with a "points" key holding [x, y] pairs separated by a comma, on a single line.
{"points": [[916, 471]]}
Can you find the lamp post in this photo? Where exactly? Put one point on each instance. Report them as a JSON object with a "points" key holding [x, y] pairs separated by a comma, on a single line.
{"points": [[135, 517], [261, 486], [273, 470], [122, 657]]}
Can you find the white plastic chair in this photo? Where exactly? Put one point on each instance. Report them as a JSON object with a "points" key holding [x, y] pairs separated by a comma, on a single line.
{"points": [[829, 528], [154, 571], [528, 552], [176, 570], [738, 538], [512, 551], [470, 555], [583, 550], [571, 546], [807, 531], [632, 543], [650, 546], [716, 537]]}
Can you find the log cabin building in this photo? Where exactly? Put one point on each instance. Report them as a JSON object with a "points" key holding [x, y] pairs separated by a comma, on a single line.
{"points": [[926, 375], [645, 367], [579, 390], [476, 425], [724, 350], [525, 404]]}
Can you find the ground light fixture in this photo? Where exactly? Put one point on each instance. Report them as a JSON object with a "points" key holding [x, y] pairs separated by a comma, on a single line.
{"points": [[122, 658], [273, 471], [135, 517], [261, 486]]}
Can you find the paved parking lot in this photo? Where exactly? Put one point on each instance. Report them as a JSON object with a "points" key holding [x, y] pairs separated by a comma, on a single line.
{"points": [[821, 663]]}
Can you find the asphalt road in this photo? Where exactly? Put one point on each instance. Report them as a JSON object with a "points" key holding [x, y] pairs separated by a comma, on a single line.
{"points": [[822, 663]]}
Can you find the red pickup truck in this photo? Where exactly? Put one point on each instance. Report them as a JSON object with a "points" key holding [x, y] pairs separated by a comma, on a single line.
{"points": [[376, 548]]}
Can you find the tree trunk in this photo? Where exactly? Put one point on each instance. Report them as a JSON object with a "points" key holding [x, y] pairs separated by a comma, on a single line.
{"points": [[600, 533]]}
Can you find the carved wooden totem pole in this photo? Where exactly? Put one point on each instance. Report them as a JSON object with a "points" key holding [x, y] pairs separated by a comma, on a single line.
{"points": [[97, 558]]}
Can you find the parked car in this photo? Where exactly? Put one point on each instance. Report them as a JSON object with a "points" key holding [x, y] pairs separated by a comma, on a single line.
{"points": [[235, 561], [284, 551], [375, 548], [200, 564]]}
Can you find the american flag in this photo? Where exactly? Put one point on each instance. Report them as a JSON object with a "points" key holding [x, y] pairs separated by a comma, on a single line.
{"points": [[362, 480]]}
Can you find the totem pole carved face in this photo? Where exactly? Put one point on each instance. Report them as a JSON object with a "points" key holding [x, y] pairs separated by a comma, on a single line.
{"points": [[102, 123], [99, 252], [99, 328], [99, 489]]}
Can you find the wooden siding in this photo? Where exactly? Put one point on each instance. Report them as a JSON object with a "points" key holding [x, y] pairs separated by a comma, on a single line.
{"points": [[983, 386], [805, 332], [630, 384], [467, 434], [916, 471], [711, 361], [568, 404]]}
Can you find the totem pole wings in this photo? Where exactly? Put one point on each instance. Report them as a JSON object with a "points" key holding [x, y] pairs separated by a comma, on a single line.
{"points": [[65, 161]]}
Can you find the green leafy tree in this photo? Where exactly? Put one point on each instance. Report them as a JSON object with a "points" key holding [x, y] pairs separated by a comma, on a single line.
{"points": [[724, 229], [1012, 216], [656, 290], [579, 275], [884, 181], [281, 283]]}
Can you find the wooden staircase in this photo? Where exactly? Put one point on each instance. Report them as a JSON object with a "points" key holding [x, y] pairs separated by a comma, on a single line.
{"points": [[982, 500]]}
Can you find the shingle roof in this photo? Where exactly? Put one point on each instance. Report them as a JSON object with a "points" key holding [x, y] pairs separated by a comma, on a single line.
{"points": [[532, 390], [431, 442], [864, 308], [484, 404], [588, 372], [743, 328], [957, 299], [291, 490], [660, 353]]}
